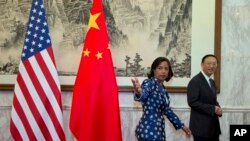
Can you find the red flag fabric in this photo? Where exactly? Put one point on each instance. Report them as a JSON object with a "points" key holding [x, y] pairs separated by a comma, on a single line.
{"points": [[95, 114], [37, 108]]}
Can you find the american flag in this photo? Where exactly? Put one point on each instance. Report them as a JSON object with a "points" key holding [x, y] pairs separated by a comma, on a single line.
{"points": [[37, 107]]}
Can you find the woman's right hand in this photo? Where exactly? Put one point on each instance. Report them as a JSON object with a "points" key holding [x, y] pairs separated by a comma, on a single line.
{"points": [[136, 85], [187, 131]]}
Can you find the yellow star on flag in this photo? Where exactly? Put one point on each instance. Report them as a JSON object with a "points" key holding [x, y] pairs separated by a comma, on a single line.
{"points": [[86, 52], [92, 21], [98, 55]]}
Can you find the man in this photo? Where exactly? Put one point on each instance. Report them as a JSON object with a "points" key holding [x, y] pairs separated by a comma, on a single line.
{"points": [[201, 97]]}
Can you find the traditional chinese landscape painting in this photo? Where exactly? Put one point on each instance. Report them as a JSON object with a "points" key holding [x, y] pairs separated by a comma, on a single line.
{"points": [[139, 31]]}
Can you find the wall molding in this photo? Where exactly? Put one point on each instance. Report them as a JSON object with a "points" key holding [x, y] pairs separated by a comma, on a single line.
{"points": [[227, 109]]}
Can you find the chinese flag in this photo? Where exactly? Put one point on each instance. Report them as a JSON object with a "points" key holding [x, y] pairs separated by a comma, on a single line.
{"points": [[95, 114]]}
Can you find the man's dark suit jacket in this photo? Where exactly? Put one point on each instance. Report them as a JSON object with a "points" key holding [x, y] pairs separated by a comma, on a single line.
{"points": [[203, 120]]}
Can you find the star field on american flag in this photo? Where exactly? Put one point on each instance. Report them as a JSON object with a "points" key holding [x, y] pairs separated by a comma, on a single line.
{"points": [[37, 36]]}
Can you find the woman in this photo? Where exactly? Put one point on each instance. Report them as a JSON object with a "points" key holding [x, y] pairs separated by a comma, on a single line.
{"points": [[155, 103]]}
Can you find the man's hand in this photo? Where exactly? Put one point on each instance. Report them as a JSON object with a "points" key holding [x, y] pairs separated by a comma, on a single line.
{"points": [[218, 110]]}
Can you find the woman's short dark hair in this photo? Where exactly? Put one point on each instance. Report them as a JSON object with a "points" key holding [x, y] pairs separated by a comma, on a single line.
{"points": [[156, 63]]}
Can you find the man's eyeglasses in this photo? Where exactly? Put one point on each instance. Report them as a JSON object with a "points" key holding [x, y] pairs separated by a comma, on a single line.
{"points": [[211, 64]]}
